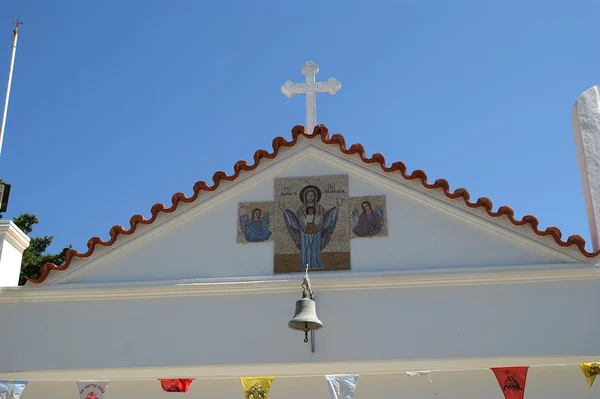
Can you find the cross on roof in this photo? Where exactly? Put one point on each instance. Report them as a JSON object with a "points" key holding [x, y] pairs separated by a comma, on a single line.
{"points": [[17, 23], [310, 88]]}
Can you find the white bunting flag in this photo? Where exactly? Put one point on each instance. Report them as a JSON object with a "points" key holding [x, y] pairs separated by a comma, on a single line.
{"points": [[342, 386], [419, 374], [11, 389], [91, 389]]}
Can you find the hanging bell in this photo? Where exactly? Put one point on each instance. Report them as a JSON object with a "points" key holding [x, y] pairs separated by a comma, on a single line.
{"points": [[305, 319]]}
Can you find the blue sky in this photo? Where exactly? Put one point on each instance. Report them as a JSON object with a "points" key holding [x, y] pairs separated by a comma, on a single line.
{"points": [[116, 105]]}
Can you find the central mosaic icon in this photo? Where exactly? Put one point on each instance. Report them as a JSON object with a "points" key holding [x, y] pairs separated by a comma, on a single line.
{"points": [[311, 222]]}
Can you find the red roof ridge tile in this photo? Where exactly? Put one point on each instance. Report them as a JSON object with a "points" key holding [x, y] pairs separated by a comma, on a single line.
{"points": [[322, 132]]}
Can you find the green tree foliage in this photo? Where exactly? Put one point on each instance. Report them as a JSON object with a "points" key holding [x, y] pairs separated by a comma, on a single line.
{"points": [[35, 255]]}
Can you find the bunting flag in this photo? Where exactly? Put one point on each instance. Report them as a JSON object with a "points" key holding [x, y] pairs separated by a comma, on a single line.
{"points": [[91, 389], [590, 370], [11, 389], [419, 374], [342, 386], [512, 381], [176, 384], [256, 387]]}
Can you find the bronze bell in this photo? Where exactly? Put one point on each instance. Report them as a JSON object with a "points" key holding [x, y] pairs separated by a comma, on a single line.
{"points": [[305, 319]]}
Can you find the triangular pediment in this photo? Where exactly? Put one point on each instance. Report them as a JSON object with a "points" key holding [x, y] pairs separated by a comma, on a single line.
{"points": [[313, 200]]}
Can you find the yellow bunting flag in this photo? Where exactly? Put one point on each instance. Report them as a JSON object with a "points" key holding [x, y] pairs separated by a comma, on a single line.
{"points": [[256, 387], [590, 370]]}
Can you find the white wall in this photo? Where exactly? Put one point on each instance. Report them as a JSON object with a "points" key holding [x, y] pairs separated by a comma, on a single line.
{"points": [[13, 241], [540, 319], [204, 245], [387, 323], [542, 383], [10, 262]]}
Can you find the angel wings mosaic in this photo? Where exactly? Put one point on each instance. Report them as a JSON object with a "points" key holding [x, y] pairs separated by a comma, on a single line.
{"points": [[368, 222]]}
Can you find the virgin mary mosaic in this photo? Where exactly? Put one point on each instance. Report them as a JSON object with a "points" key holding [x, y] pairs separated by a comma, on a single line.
{"points": [[312, 224]]}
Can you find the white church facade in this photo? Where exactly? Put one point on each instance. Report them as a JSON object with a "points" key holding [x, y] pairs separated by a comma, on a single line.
{"points": [[407, 275]]}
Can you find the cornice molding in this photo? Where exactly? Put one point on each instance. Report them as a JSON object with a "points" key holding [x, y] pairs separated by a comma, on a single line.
{"points": [[573, 248], [14, 235], [323, 281], [291, 370], [306, 148]]}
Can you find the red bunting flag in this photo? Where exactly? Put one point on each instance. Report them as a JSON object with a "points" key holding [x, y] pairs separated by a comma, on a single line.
{"points": [[176, 384], [512, 381]]}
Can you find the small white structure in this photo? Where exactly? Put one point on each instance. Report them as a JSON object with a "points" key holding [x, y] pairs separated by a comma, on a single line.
{"points": [[12, 244], [413, 276]]}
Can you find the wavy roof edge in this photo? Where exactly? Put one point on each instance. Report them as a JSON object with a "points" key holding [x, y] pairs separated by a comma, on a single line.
{"points": [[322, 132]]}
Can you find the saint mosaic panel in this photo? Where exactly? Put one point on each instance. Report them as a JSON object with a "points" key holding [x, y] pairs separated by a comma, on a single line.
{"points": [[368, 217], [254, 222], [311, 222]]}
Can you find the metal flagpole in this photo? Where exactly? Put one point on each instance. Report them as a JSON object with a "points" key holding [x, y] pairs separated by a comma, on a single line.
{"points": [[10, 70]]}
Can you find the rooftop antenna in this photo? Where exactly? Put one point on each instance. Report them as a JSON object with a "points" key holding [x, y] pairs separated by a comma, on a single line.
{"points": [[10, 70]]}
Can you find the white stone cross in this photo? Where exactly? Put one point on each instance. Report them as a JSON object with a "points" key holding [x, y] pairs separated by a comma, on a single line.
{"points": [[310, 88]]}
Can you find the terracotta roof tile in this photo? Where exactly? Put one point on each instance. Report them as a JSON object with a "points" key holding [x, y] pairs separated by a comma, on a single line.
{"points": [[320, 131]]}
